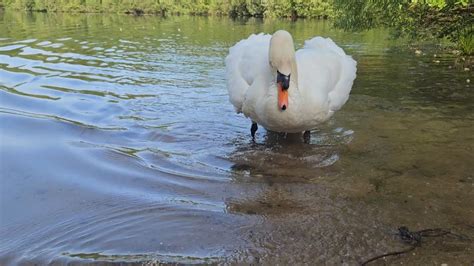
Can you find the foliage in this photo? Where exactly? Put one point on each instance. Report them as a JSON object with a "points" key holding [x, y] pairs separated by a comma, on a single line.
{"points": [[237, 8], [299, 8], [428, 19], [466, 42], [420, 19]]}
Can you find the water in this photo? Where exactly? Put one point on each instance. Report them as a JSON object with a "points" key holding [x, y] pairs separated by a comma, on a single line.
{"points": [[118, 144]]}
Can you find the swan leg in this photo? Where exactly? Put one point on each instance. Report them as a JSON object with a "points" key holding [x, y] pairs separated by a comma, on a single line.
{"points": [[307, 136], [253, 129]]}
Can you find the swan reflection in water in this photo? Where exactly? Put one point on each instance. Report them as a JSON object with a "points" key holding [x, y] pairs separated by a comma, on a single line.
{"points": [[292, 188], [288, 156], [281, 160]]}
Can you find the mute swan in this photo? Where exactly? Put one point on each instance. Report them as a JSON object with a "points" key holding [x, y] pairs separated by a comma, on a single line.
{"points": [[286, 91]]}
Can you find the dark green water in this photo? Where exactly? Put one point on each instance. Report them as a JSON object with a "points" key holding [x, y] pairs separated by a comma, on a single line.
{"points": [[118, 144]]}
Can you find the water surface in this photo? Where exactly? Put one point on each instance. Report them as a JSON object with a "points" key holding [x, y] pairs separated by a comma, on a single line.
{"points": [[118, 144]]}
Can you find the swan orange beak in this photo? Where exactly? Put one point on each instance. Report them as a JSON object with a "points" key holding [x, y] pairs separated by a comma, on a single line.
{"points": [[282, 97]]}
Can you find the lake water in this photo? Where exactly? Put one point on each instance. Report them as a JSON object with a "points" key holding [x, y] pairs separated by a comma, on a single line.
{"points": [[118, 144]]}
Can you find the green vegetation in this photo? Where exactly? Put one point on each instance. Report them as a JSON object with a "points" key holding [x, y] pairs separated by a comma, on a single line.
{"points": [[255, 8], [418, 19]]}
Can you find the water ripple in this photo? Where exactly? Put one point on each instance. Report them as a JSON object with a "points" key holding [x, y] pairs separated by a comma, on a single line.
{"points": [[118, 144]]}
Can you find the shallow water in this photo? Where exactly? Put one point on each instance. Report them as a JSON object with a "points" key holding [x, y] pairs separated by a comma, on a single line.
{"points": [[118, 144]]}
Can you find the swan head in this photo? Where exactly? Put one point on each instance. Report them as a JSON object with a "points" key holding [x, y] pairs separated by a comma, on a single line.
{"points": [[282, 62]]}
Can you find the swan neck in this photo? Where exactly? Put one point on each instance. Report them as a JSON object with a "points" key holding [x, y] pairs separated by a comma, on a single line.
{"points": [[294, 72]]}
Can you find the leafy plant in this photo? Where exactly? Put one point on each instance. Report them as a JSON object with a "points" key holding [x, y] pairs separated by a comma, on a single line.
{"points": [[428, 19]]}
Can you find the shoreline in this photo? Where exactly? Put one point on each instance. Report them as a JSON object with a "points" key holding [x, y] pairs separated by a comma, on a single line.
{"points": [[442, 45], [291, 14]]}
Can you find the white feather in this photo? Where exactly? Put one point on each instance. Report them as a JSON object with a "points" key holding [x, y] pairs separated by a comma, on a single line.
{"points": [[325, 78], [246, 60]]}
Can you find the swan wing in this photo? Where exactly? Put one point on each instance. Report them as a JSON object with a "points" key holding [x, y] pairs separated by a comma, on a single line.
{"points": [[247, 60], [326, 73]]}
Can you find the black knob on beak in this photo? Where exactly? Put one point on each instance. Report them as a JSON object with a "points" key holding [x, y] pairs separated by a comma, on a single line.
{"points": [[284, 80]]}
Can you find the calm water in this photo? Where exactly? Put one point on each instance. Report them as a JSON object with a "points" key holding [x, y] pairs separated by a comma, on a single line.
{"points": [[118, 144]]}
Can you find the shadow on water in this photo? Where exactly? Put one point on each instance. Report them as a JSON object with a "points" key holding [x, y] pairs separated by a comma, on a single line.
{"points": [[118, 145]]}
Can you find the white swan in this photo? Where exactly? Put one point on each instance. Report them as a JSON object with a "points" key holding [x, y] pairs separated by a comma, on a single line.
{"points": [[286, 91]]}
